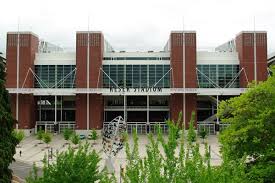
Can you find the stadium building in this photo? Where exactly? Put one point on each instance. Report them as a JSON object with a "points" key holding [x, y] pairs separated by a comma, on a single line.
{"points": [[53, 89]]}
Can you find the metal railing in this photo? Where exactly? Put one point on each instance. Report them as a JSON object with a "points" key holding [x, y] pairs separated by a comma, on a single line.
{"points": [[143, 127], [208, 127], [49, 125], [66, 124]]}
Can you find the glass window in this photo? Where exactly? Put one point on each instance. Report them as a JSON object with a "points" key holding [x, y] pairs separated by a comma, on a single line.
{"points": [[221, 75], [54, 76]]}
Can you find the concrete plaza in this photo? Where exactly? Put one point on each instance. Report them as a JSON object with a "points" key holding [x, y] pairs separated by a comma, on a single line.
{"points": [[33, 151]]}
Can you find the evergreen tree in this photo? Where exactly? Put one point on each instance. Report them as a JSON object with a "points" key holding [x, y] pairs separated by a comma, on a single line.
{"points": [[7, 141]]}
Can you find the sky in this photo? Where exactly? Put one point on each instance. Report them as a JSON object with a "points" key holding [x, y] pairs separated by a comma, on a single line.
{"points": [[137, 25]]}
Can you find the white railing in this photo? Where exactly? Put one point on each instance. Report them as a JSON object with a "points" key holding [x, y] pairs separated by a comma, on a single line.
{"points": [[66, 124], [208, 127], [159, 107], [49, 125], [113, 107], [143, 127]]}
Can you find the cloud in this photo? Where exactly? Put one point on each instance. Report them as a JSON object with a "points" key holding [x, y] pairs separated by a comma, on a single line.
{"points": [[137, 25]]}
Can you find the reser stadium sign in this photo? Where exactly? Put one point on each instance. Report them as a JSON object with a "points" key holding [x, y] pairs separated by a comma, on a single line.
{"points": [[136, 89]]}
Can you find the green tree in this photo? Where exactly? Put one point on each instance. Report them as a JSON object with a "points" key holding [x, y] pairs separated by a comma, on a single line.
{"points": [[75, 139], [19, 135], [251, 134], [7, 141], [47, 138], [71, 166]]}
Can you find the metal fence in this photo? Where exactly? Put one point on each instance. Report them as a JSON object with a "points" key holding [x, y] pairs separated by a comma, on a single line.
{"points": [[208, 127], [49, 126], [211, 128], [143, 127], [66, 124]]}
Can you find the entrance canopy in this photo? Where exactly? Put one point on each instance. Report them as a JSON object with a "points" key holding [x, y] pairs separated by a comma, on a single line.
{"points": [[127, 91]]}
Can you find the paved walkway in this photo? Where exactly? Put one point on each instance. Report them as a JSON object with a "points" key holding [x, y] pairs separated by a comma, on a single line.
{"points": [[33, 151]]}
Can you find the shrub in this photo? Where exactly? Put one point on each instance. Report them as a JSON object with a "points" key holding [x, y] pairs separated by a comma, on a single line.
{"points": [[67, 133], [80, 165], [47, 138], [75, 138], [203, 134], [93, 134], [19, 135], [40, 134]]}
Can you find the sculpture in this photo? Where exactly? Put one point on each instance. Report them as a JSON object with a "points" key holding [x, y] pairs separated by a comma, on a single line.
{"points": [[113, 140]]}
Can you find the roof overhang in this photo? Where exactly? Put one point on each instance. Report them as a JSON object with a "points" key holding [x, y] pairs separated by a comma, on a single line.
{"points": [[130, 91]]}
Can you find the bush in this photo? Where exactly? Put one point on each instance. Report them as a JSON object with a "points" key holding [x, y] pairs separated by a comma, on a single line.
{"points": [[75, 138], [72, 166], [93, 134], [40, 134], [67, 133], [203, 134], [47, 138], [19, 135]]}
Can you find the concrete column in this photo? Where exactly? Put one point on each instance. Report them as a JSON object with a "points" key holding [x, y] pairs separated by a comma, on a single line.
{"points": [[124, 107], [148, 109], [217, 109]]}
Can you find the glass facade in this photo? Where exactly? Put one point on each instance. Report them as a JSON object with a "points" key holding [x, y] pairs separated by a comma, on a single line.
{"points": [[221, 75], [65, 107], [51, 75], [137, 108], [136, 76], [136, 58]]}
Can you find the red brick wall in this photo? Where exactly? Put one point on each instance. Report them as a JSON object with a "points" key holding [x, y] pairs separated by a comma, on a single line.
{"points": [[245, 49], [27, 50], [96, 111], [176, 100], [191, 60], [26, 110], [80, 113], [28, 47], [176, 106], [96, 57]]}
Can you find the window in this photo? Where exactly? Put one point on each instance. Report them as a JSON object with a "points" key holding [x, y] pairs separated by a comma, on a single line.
{"points": [[136, 75], [221, 75], [52, 76]]}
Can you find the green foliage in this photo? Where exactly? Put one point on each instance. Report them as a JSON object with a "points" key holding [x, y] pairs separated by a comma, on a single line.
{"points": [[75, 138], [203, 133], [251, 133], [8, 142], [191, 136], [179, 161], [72, 166], [39, 134], [67, 133], [47, 138], [93, 134], [19, 135]]}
